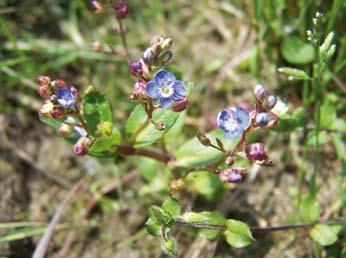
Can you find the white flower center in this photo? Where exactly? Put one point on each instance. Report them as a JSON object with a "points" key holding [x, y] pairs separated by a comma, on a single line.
{"points": [[166, 91], [231, 124]]}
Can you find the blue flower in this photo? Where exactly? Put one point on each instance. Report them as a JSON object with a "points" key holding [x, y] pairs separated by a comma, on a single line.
{"points": [[233, 121], [165, 88], [67, 97]]}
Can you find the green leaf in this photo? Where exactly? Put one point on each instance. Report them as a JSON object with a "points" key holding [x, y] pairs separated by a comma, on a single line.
{"points": [[207, 184], [153, 228], [309, 209], [194, 154], [322, 138], [213, 219], [196, 217], [172, 206], [323, 234], [296, 51], [170, 247], [149, 134], [96, 109], [238, 234], [106, 143], [176, 129], [294, 74], [159, 216], [328, 115]]}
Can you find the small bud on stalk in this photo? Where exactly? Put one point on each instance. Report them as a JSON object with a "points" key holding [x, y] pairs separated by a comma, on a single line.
{"points": [[262, 119], [47, 108], [259, 92], [203, 139], [121, 10], [233, 175], [255, 151], [160, 126], [57, 112], [136, 69], [65, 130], [179, 106], [82, 146], [44, 80], [271, 102]]}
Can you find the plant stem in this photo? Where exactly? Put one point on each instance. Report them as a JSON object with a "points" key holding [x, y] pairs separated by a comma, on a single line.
{"points": [[123, 39], [128, 150], [254, 230]]}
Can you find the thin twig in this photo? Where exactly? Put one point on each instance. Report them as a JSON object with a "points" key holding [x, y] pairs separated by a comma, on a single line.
{"points": [[123, 39], [42, 246]]}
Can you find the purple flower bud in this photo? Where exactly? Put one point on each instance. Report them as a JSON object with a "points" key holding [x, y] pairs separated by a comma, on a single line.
{"points": [[262, 119], [259, 92], [121, 10], [82, 146], [65, 130], [271, 102], [57, 112], [136, 69], [44, 80], [232, 175], [255, 152], [180, 105]]}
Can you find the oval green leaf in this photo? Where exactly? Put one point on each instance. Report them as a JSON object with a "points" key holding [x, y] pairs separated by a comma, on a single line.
{"points": [[238, 234]]}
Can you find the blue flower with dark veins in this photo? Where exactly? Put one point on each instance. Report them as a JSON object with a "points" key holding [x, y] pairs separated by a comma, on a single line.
{"points": [[67, 97], [233, 121], [165, 88]]}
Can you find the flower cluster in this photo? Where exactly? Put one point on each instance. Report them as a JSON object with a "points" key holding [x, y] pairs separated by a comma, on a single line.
{"points": [[237, 121], [155, 84], [61, 102]]}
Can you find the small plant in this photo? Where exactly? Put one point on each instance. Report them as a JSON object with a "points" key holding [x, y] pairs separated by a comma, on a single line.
{"points": [[226, 152]]}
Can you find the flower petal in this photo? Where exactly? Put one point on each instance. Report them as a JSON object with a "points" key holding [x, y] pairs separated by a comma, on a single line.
{"points": [[222, 117], [241, 116], [166, 102], [179, 90], [164, 77], [234, 133], [153, 90]]}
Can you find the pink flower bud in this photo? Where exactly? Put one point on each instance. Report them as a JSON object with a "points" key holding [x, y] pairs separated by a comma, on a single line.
{"points": [[97, 46], [121, 10], [181, 105], [44, 92], [57, 112], [255, 152], [232, 175], [139, 92], [44, 80], [82, 146]]}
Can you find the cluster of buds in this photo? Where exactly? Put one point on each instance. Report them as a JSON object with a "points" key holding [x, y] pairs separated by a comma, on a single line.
{"points": [[239, 122], [153, 58], [154, 84], [59, 99], [62, 102], [262, 114]]}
